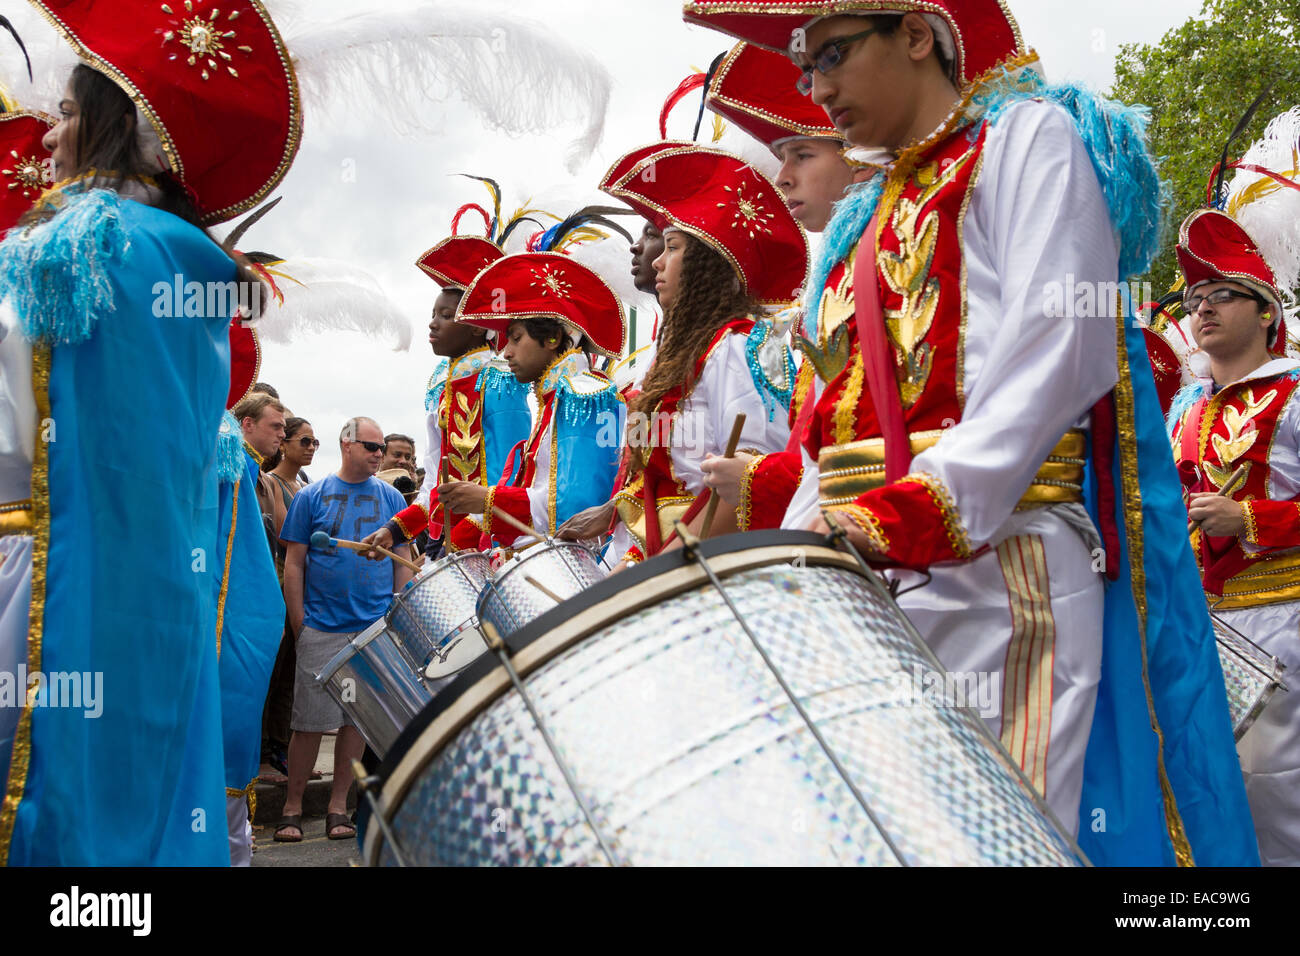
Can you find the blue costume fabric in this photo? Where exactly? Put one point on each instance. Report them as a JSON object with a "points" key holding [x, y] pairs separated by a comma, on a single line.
{"points": [[251, 611], [133, 389], [506, 418]]}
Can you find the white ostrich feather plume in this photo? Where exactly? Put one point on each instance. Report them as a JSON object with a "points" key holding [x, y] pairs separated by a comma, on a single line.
{"points": [[327, 295], [1270, 211], [518, 75]]}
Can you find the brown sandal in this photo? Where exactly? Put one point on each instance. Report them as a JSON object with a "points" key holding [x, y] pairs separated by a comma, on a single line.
{"points": [[285, 823], [333, 820]]}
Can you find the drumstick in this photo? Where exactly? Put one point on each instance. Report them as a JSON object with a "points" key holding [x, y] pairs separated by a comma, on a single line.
{"points": [[513, 522], [443, 475], [321, 540], [732, 442], [1228, 488], [544, 589]]}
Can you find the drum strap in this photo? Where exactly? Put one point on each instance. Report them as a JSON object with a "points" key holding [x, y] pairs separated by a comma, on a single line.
{"points": [[877, 357]]}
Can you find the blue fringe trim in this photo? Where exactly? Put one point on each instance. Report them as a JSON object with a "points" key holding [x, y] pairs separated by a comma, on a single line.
{"points": [[581, 409], [500, 381], [433, 394], [231, 461], [848, 221], [1115, 136], [773, 395], [1186, 397], [56, 273]]}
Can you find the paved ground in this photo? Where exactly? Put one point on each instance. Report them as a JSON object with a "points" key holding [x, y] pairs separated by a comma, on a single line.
{"points": [[315, 849]]}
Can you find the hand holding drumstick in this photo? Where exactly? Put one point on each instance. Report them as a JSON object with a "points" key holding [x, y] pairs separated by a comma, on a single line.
{"points": [[1216, 513]]}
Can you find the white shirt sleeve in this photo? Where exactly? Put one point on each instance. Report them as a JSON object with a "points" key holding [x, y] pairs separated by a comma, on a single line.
{"points": [[1038, 233], [432, 456], [724, 389]]}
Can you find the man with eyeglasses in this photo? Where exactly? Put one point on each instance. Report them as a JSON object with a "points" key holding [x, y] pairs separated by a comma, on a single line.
{"points": [[332, 595], [949, 435], [1236, 437]]}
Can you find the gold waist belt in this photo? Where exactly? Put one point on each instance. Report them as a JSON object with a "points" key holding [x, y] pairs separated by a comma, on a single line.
{"points": [[16, 517], [847, 471], [1267, 581]]}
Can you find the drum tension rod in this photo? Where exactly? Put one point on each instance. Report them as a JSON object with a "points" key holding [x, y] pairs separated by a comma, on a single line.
{"points": [[841, 537], [691, 549], [837, 536], [495, 643], [365, 786]]}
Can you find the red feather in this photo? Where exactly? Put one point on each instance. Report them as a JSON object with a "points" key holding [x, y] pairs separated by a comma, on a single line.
{"points": [[687, 86], [455, 220]]}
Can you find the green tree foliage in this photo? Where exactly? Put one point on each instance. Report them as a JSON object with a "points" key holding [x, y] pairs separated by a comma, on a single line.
{"points": [[1199, 80]]}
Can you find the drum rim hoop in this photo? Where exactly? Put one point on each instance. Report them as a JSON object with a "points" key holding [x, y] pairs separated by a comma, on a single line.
{"points": [[483, 682]]}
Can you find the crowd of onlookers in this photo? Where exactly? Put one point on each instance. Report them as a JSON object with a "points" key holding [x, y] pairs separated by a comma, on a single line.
{"points": [[331, 594]]}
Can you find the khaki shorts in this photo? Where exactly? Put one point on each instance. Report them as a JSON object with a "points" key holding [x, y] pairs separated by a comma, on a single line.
{"points": [[314, 710]]}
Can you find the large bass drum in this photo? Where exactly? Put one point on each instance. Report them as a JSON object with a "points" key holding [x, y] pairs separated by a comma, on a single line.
{"points": [[677, 745]]}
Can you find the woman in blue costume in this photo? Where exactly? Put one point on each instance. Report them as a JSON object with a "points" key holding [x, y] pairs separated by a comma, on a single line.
{"points": [[119, 297]]}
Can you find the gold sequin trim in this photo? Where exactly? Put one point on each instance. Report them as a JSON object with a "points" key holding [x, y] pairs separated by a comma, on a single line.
{"points": [[866, 520], [20, 759], [1132, 501], [1248, 516], [225, 571], [746, 490], [942, 499]]}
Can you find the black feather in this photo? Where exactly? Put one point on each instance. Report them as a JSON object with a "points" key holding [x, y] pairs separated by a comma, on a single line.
{"points": [[248, 222], [1237, 130], [4, 22], [510, 228], [704, 95]]}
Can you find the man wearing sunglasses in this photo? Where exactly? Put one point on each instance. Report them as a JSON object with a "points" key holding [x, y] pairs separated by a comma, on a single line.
{"points": [[1236, 437], [333, 594], [949, 432]]}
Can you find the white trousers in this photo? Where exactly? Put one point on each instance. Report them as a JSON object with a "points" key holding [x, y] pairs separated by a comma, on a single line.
{"points": [[1024, 620], [240, 830], [1270, 749]]}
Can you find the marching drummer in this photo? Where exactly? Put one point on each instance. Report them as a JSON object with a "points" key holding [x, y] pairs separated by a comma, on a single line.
{"points": [[945, 436], [731, 247], [476, 410], [1236, 437], [554, 314]]}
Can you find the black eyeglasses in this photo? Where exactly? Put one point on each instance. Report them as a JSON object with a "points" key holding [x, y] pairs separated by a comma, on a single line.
{"points": [[308, 442], [1219, 297], [828, 58], [370, 446]]}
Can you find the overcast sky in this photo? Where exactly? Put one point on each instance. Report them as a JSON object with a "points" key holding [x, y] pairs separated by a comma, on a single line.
{"points": [[360, 192]]}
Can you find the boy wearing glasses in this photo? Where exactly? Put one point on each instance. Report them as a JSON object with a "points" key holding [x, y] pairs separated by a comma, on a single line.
{"points": [[949, 433], [1236, 437], [332, 594]]}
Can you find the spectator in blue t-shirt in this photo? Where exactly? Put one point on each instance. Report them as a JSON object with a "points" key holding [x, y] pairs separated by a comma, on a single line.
{"points": [[333, 594]]}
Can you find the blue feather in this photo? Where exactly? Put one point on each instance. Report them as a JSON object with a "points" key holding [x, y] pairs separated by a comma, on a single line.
{"points": [[848, 221], [1187, 396], [56, 272], [230, 450]]}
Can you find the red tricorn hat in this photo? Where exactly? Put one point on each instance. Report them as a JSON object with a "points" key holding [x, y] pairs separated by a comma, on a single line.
{"points": [[754, 88], [454, 262], [1213, 247], [213, 79], [245, 361], [548, 285], [625, 163], [1166, 368], [726, 203], [984, 33], [24, 174]]}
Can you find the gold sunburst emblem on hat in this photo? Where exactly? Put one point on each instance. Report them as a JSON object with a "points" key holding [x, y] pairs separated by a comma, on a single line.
{"points": [[750, 213], [551, 282], [28, 174], [205, 38]]}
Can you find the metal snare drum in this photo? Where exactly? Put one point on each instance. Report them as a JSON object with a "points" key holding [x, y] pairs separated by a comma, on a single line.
{"points": [[663, 736], [518, 592], [1250, 674], [374, 684], [433, 620]]}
